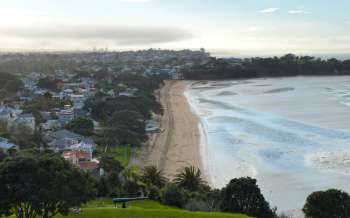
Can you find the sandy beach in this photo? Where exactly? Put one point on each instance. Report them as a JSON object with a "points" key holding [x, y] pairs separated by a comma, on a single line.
{"points": [[178, 144]]}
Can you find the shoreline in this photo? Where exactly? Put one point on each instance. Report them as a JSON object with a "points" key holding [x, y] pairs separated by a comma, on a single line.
{"points": [[178, 145]]}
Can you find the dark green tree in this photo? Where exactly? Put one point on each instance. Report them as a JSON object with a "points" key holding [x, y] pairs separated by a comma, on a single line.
{"points": [[173, 195], [43, 185], [190, 179], [243, 196], [327, 204], [83, 126]]}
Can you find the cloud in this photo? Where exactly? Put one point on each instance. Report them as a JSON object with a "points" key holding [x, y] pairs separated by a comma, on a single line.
{"points": [[268, 10], [121, 35], [297, 12]]}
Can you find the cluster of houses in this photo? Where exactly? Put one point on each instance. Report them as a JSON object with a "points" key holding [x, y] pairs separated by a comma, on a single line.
{"points": [[77, 88]]}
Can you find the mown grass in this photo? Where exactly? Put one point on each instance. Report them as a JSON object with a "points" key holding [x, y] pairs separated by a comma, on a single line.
{"points": [[148, 213], [104, 208]]}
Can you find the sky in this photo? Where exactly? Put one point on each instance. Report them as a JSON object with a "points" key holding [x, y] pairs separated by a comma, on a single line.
{"points": [[224, 27]]}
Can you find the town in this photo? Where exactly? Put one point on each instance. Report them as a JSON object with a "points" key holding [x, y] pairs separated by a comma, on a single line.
{"points": [[54, 100]]}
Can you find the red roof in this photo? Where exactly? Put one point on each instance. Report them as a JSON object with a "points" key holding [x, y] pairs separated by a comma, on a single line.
{"points": [[88, 165], [77, 154]]}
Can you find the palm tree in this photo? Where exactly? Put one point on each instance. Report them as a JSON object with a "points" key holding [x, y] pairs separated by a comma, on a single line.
{"points": [[152, 176], [190, 179]]}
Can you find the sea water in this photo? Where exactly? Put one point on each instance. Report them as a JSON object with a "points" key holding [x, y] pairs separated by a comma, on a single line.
{"points": [[291, 134]]}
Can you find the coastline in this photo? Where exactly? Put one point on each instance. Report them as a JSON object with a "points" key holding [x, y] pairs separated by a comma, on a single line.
{"points": [[178, 145]]}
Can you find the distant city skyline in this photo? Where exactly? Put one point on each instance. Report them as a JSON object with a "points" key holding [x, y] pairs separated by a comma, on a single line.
{"points": [[223, 27]]}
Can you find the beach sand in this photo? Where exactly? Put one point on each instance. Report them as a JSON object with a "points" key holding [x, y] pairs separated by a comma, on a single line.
{"points": [[178, 144]]}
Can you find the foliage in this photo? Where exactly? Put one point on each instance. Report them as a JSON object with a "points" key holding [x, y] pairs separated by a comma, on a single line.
{"points": [[190, 179], [123, 118], [243, 196], [287, 65], [2, 155], [81, 125], [327, 204], [152, 176], [172, 195], [108, 184], [110, 164], [208, 201], [43, 185], [47, 83]]}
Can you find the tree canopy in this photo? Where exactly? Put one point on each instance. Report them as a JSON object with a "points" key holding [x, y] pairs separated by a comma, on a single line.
{"points": [[327, 204], [81, 125], [243, 196], [42, 185]]}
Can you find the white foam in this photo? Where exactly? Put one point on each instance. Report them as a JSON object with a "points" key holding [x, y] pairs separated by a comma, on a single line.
{"points": [[293, 142]]}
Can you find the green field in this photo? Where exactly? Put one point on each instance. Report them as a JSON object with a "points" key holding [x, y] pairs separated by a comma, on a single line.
{"points": [[103, 208]]}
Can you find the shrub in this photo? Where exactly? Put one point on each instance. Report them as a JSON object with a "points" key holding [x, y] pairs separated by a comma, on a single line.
{"points": [[173, 196]]}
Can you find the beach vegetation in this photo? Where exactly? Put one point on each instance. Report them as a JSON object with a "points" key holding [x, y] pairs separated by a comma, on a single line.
{"points": [[190, 178]]}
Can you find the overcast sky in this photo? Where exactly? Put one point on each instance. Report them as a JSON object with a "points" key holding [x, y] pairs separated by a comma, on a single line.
{"points": [[222, 26]]}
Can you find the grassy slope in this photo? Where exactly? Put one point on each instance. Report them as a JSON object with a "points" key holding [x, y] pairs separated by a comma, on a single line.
{"points": [[148, 213], [103, 208]]}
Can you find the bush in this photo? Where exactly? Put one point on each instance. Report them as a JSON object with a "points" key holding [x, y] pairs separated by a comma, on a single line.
{"points": [[243, 196], [153, 193], [197, 204], [327, 204], [173, 196]]}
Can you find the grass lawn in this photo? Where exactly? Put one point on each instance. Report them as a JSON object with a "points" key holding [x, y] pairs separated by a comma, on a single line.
{"points": [[121, 153], [148, 213], [103, 208]]}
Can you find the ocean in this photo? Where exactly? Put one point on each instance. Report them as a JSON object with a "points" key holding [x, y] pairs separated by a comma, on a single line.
{"points": [[292, 134]]}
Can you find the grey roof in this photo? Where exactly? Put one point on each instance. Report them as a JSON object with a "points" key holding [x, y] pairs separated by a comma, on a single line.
{"points": [[63, 133], [6, 146]]}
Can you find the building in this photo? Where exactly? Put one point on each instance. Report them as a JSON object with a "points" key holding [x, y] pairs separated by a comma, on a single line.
{"points": [[27, 120], [76, 156], [66, 116], [5, 145]]}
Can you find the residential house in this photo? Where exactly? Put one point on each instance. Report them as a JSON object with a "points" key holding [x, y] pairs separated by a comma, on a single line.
{"points": [[51, 125], [62, 140], [27, 120], [66, 116], [84, 161], [5, 145]]}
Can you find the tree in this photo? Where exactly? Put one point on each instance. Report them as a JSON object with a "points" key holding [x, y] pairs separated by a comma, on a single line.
{"points": [[190, 179], [110, 164], [81, 126], [42, 185], [243, 196], [173, 196], [327, 204], [47, 83], [2, 155], [152, 176]]}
